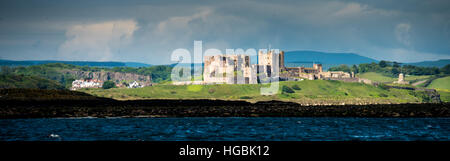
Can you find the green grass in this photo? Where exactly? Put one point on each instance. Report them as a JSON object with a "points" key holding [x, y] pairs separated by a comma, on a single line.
{"points": [[311, 92], [414, 78], [440, 83], [445, 95]]}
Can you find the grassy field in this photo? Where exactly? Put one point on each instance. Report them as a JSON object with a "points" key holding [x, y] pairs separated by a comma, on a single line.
{"points": [[311, 92], [445, 94], [441, 83], [416, 77]]}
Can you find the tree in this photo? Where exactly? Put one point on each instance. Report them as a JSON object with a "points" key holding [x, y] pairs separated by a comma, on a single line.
{"points": [[108, 85], [355, 69], [382, 64], [395, 71], [6, 70], [296, 87], [446, 69], [342, 67], [396, 65]]}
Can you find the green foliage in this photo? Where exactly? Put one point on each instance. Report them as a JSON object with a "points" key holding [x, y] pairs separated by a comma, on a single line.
{"points": [[296, 87], [383, 64], [31, 82], [446, 69], [211, 91], [355, 69], [54, 71], [342, 67], [383, 95], [391, 69], [245, 97], [396, 64], [286, 89], [108, 85]]}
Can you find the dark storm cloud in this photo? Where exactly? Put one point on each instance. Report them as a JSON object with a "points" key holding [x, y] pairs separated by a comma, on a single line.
{"points": [[148, 31]]}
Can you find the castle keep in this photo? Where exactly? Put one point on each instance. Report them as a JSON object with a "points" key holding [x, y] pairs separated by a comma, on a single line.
{"points": [[237, 69], [229, 69]]}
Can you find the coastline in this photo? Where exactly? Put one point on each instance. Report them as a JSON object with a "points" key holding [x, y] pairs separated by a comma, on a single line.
{"points": [[103, 108]]}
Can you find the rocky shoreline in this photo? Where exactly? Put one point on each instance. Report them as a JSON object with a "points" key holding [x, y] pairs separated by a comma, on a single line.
{"points": [[208, 108]]}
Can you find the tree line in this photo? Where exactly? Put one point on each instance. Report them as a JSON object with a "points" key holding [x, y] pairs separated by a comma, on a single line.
{"points": [[392, 69], [52, 71]]}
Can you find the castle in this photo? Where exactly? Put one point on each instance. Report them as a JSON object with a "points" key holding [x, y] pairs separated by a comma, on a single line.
{"points": [[237, 69]]}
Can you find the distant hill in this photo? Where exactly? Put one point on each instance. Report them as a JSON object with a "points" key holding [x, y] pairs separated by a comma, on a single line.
{"points": [[307, 58], [439, 63], [79, 63]]}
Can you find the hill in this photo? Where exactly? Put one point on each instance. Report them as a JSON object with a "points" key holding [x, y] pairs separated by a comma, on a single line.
{"points": [[79, 63], [308, 92], [439, 63], [306, 58], [32, 82], [43, 94]]}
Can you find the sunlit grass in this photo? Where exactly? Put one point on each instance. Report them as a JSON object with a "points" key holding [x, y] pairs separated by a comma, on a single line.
{"points": [[317, 91]]}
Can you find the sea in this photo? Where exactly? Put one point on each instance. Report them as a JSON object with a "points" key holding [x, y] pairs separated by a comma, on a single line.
{"points": [[226, 129]]}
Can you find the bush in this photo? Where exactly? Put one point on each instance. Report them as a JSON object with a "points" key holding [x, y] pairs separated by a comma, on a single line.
{"points": [[383, 95], [287, 89], [245, 97], [108, 85], [383, 86], [296, 87]]}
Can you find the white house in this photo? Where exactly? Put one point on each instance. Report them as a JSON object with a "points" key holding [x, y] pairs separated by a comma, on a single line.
{"points": [[86, 83], [135, 85]]}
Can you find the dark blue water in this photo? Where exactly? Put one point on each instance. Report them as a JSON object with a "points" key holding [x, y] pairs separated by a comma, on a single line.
{"points": [[259, 129]]}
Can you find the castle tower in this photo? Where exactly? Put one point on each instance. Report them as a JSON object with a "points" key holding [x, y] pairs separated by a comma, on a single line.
{"points": [[282, 67], [318, 67], [401, 77]]}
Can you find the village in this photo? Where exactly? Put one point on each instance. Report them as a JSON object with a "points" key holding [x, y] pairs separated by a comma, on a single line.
{"points": [[95, 83]]}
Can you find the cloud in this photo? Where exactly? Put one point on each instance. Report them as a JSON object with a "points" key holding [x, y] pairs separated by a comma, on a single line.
{"points": [[351, 9], [180, 22], [403, 33], [97, 41], [82, 30]]}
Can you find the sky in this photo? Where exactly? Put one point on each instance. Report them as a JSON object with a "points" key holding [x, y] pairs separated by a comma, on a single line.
{"points": [[149, 31]]}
